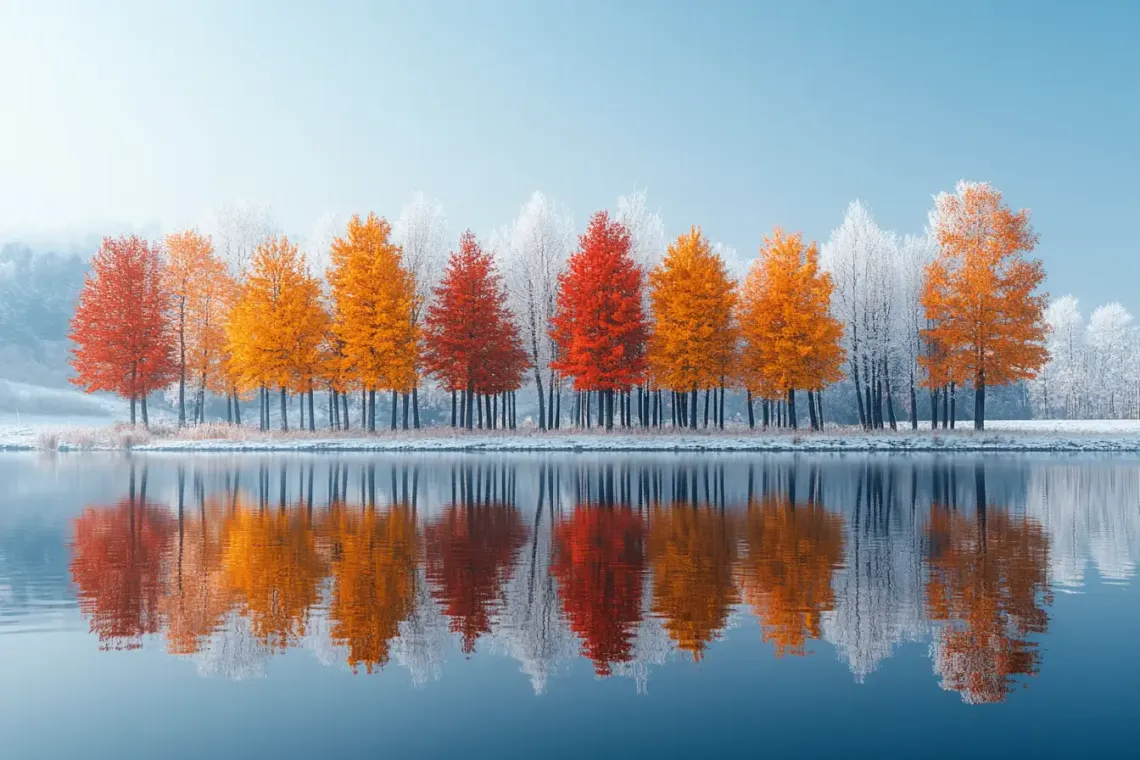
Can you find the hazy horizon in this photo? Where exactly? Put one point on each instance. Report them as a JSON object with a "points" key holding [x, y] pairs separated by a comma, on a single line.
{"points": [[737, 116]]}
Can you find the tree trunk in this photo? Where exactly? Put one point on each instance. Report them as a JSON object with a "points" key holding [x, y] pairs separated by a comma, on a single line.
{"points": [[858, 390], [416, 406], [870, 407], [751, 411], [145, 416], [694, 399], [557, 407], [792, 408], [395, 400], [301, 419], [890, 401], [346, 423], [284, 411], [469, 403], [312, 410], [811, 410], [237, 408], [766, 412], [913, 403], [133, 423], [541, 399], [953, 404], [980, 401], [933, 408], [550, 420], [453, 419], [407, 408], [819, 408], [945, 394]]}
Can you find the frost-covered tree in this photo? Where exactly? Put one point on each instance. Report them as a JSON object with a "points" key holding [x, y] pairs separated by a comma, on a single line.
{"points": [[421, 232], [914, 253], [1057, 390], [237, 229], [1113, 342], [535, 249]]}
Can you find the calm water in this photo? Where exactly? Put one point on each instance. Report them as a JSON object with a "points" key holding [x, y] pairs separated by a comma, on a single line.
{"points": [[567, 606]]}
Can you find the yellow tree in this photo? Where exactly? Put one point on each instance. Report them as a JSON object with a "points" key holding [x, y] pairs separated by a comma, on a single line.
{"points": [[373, 296], [986, 317], [692, 299], [790, 339], [277, 326], [374, 577]]}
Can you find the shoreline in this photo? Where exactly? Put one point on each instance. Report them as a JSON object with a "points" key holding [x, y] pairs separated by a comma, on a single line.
{"points": [[964, 441]]}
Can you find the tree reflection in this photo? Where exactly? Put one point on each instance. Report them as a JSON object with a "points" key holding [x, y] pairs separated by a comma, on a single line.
{"points": [[791, 552], [471, 549], [116, 565], [987, 583]]}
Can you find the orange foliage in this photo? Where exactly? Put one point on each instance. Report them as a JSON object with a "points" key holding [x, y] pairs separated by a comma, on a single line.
{"points": [[986, 319], [791, 341], [791, 555], [692, 553], [987, 580], [692, 298], [374, 575]]}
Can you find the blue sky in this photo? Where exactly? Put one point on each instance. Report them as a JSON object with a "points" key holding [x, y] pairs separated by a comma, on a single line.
{"points": [[736, 116]]}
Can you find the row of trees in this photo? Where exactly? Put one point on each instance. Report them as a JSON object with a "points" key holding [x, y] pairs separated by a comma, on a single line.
{"points": [[636, 333], [679, 551], [1093, 368]]}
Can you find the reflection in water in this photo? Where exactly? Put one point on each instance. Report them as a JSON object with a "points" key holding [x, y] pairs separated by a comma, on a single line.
{"points": [[624, 563]]}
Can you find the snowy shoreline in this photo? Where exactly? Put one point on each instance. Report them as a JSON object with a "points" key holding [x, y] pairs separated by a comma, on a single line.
{"points": [[1010, 440]]}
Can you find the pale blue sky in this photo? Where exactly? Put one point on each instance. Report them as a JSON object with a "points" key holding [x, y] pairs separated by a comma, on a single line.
{"points": [[736, 116]]}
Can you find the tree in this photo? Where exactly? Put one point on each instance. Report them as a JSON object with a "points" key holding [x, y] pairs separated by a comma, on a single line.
{"points": [[538, 244], [277, 327], [471, 343], [915, 254], [981, 293], [421, 232], [200, 289], [694, 332], [374, 297], [599, 324], [121, 329], [1112, 340], [790, 338], [1063, 377]]}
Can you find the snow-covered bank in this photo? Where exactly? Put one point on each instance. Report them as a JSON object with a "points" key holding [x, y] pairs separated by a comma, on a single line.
{"points": [[227, 439]]}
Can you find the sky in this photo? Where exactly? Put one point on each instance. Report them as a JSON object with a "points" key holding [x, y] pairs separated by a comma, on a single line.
{"points": [[734, 116]]}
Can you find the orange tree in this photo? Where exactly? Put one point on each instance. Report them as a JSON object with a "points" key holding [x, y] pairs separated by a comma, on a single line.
{"points": [[599, 326], [694, 334], [790, 339], [373, 296], [980, 294]]}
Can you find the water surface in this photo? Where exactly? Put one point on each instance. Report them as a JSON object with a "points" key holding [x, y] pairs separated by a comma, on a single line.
{"points": [[567, 605]]}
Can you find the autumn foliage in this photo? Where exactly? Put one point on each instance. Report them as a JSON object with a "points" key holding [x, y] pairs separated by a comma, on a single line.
{"points": [[981, 296], [599, 326], [121, 329]]}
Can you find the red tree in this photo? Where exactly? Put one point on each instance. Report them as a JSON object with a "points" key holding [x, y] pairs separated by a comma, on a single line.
{"points": [[124, 341], [599, 325], [599, 563], [471, 342]]}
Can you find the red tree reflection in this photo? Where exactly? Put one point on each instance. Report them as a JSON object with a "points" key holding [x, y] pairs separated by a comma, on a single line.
{"points": [[599, 563]]}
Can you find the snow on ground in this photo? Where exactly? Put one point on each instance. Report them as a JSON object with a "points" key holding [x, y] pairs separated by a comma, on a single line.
{"points": [[1066, 426], [94, 434]]}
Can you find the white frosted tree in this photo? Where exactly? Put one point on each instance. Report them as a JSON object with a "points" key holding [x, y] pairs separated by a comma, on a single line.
{"points": [[915, 252], [1112, 341], [421, 232], [535, 249], [1057, 390], [237, 229]]}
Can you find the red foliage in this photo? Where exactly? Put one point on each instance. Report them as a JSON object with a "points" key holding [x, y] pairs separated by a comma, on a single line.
{"points": [[124, 342], [469, 554], [599, 325], [471, 340], [116, 566], [599, 563]]}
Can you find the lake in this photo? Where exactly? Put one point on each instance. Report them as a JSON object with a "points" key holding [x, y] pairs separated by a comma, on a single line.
{"points": [[568, 605]]}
